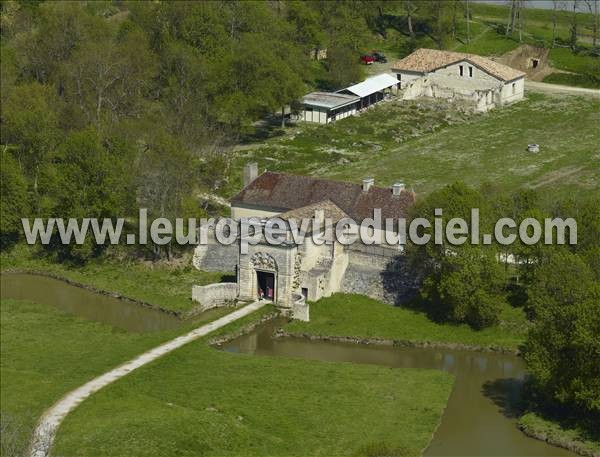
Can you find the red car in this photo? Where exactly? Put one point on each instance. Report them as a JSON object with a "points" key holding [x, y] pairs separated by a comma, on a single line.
{"points": [[367, 59]]}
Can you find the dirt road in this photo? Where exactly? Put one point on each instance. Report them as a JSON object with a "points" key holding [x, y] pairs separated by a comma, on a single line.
{"points": [[556, 88]]}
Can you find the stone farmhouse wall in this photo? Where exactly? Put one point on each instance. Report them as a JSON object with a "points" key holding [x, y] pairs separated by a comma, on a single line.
{"points": [[481, 91]]}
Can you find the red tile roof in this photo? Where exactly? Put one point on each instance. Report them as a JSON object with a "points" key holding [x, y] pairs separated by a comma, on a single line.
{"points": [[282, 192], [427, 60]]}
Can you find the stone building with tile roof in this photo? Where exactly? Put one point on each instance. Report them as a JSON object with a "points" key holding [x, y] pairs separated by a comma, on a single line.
{"points": [[471, 78], [292, 272]]}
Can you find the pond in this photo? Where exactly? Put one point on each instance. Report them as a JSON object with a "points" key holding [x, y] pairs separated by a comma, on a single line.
{"points": [[126, 315], [479, 418]]}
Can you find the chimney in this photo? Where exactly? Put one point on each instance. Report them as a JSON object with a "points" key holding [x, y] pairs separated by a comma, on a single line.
{"points": [[397, 187], [250, 172], [367, 183]]}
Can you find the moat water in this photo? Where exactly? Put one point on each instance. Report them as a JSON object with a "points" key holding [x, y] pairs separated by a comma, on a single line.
{"points": [[479, 417], [84, 303]]}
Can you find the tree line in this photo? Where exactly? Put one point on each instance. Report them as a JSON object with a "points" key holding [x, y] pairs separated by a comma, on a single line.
{"points": [[558, 286]]}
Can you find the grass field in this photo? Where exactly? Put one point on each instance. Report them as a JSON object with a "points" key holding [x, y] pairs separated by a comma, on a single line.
{"points": [[46, 353], [359, 316], [427, 145], [200, 401], [159, 284], [555, 432]]}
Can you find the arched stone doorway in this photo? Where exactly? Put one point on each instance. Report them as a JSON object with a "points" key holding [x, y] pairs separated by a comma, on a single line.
{"points": [[265, 276]]}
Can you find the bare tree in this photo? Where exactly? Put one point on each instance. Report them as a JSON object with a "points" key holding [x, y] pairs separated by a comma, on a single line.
{"points": [[573, 40], [511, 16], [554, 19], [592, 6], [410, 8], [454, 13], [520, 13], [468, 21]]}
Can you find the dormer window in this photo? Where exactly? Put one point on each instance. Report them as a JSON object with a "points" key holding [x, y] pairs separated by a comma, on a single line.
{"points": [[461, 70]]}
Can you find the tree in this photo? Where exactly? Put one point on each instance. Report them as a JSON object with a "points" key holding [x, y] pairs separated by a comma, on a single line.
{"points": [[592, 6], [166, 174], [410, 7], [86, 180], [257, 78], [14, 198], [58, 29], [108, 79], [556, 6], [468, 15], [562, 349], [440, 13], [308, 33], [562, 279], [462, 283], [466, 285], [574, 25], [515, 19], [184, 96], [343, 66], [30, 121]]}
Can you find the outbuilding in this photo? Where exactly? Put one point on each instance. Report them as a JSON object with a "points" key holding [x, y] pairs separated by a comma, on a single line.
{"points": [[372, 90], [325, 107]]}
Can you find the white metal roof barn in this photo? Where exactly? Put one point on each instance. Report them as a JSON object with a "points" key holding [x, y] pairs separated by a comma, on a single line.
{"points": [[325, 107], [372, 85]]}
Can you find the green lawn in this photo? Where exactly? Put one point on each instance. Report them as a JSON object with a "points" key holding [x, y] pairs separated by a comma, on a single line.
{"points": [[428, 145], [200, 401], [359, 316], [46, 353], [158, 284]]}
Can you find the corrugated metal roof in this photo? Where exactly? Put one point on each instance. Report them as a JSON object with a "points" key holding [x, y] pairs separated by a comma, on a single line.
{"points": [[371, 85], [329, 100]]}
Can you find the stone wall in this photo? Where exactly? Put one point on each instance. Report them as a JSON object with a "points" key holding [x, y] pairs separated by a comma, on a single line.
{"points": [[215, 257], [387, 279], [300, 309], [214, 295]]}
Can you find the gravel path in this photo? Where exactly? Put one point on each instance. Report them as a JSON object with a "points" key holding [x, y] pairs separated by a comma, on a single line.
{"points": [[44, 434]]}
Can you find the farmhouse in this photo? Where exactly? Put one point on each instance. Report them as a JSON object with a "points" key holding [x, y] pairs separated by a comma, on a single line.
{"points": [[477, 80], [291, 272]]}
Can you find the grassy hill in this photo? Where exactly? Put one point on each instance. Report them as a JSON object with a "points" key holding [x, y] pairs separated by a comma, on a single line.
{"points": [[428, 143]]}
